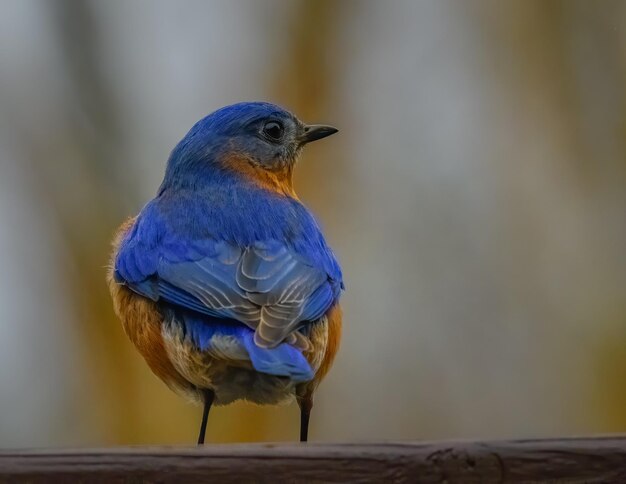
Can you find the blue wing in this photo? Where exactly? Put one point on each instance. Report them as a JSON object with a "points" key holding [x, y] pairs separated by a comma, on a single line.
{"points": [[265, 285]]}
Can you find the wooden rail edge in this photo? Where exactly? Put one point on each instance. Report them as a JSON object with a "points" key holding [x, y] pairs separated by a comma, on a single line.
{"points": [[572, 460]]}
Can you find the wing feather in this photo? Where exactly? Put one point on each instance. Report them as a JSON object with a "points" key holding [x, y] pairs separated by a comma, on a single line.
{"points": [[266, 286]]}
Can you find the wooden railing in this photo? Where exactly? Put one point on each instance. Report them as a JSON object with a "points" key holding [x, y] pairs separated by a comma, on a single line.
{"points": [[573, 460]]}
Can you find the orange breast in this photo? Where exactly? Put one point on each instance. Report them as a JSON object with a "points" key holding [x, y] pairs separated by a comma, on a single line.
{"points": [[328, 345], [278, 181], [142, 321], [335, 317]]}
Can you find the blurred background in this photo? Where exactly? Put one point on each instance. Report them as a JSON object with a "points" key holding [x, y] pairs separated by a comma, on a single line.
{"points": [[476, 197]]}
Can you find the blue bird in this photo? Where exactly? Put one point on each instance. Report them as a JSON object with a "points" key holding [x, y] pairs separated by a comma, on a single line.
{"points": [[224, 281]]}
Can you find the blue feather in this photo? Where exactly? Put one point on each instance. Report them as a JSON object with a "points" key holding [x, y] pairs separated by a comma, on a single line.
{"points": [[200, 329], [283, 360], [187, 227]]}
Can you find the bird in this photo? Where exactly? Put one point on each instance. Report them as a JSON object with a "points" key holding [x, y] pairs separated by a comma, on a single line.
{"points": [[224, 281]]}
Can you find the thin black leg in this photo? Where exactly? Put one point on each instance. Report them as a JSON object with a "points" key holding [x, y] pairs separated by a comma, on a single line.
{"points": [[305, 413], [304, 425], [209, 395]]}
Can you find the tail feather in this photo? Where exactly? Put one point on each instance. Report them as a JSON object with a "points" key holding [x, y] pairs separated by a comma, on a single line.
{"points": [[283, 360]]}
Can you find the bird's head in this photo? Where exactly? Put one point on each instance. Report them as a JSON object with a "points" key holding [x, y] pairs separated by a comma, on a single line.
{"points": [[258, 140]]}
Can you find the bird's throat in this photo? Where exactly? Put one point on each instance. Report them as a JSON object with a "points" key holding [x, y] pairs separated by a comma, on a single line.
{"points": [[278, 181]]}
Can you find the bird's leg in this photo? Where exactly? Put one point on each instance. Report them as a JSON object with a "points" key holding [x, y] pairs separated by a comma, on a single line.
{"points": [[306, 404], [208, 396]]}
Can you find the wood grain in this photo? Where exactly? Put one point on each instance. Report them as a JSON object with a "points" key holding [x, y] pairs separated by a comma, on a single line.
{"points": [[573, 460]]}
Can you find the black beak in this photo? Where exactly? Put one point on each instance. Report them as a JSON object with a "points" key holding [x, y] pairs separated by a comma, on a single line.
{"points": [[313, 132]]}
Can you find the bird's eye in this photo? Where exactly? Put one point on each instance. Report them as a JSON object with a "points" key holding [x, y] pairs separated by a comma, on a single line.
{"points": [[273, 130]]}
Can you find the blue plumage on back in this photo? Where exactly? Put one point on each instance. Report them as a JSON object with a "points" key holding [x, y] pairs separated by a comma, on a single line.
{"points": [[218, 242]]}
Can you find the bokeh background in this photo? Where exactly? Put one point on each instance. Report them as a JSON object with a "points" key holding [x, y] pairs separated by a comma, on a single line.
{"points": [[476, 197]]}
